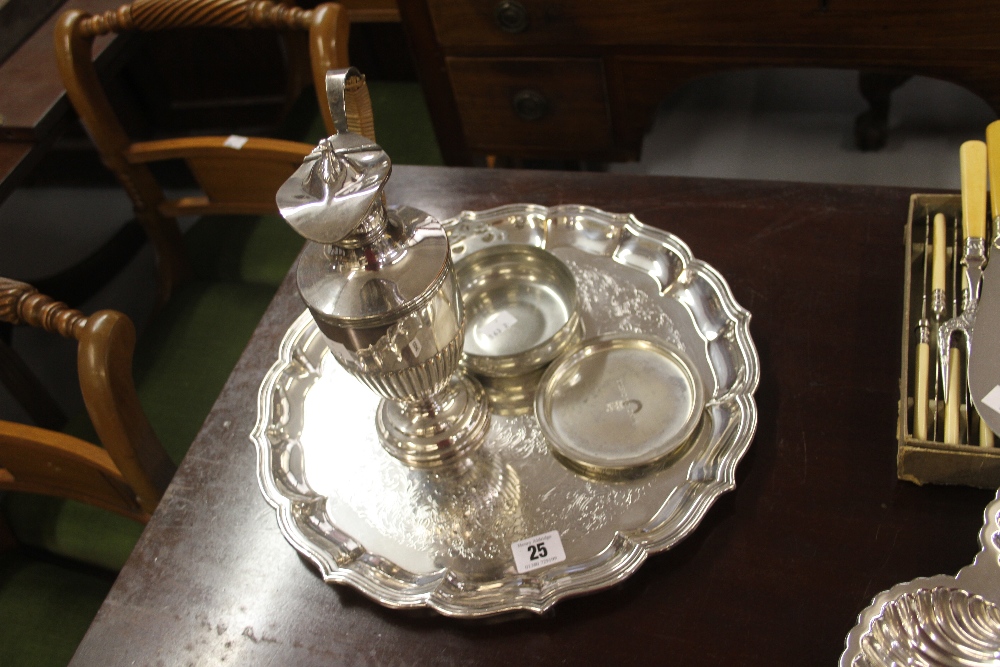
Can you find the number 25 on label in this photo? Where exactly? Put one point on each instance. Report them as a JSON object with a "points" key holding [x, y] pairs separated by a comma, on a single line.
{"points": [[538, 551]]}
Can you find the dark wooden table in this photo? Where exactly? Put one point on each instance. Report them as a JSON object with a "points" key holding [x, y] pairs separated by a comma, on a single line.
{"points": [[777, 572]]}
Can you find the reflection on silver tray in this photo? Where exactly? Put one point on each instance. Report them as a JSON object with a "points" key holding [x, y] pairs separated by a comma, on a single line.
{"points": [[938, 620], [442, 538]]}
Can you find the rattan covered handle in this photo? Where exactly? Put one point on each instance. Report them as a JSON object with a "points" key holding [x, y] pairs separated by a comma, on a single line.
{"points": [[349, 102]]}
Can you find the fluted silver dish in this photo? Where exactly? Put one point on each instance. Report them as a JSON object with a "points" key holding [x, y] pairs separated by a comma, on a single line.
{"points": [[938, 621], [445, 538]]}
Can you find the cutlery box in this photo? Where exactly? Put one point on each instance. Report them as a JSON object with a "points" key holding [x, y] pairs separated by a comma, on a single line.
{"points": [[931, 460]]}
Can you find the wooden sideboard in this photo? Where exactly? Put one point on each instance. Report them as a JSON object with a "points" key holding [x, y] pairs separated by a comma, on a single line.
{"points": [[582, 79]]}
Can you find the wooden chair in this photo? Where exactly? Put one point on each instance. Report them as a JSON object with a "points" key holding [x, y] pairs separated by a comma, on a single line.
{"points": [[185, 353], [237, 175], [129, 471], [47, 600], [204, 320], [211, 290]]}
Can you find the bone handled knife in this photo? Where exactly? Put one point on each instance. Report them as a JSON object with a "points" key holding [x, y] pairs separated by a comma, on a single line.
{"points": [[984, 358], [923, 346], [939, 303]]}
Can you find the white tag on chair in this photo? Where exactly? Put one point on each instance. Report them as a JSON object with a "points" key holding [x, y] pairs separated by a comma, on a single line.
{"points": [[235, 141]]}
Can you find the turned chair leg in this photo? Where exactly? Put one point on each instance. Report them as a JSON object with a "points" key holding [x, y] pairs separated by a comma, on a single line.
{"points": [[871, 128]]}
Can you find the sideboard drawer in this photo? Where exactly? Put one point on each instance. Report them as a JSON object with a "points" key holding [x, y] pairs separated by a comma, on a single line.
{"points": [[526, 106], [790, 23]]}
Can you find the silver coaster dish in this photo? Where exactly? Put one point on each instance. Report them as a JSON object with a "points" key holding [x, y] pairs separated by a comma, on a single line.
{"points": [[520, 308], [463, 539], [617, 405], [939, 620]]}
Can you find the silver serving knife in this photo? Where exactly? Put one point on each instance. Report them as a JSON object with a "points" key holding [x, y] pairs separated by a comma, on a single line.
{"points": [[984, 358]]}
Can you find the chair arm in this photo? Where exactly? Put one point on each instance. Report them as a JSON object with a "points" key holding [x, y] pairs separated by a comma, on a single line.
{"points": [[37, 460], [168, 14], [207, 147]]}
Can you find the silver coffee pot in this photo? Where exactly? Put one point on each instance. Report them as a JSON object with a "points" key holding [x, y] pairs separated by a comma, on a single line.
{"points": [[380, 284]]}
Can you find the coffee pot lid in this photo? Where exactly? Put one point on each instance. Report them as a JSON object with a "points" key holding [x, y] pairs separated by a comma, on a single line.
{"points": [[339, 184]]}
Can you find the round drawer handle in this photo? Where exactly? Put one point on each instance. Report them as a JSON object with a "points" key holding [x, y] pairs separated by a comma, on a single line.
{"points": [[511, 16], [530, 104]]}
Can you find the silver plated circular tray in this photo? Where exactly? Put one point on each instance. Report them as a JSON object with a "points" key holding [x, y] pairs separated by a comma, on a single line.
{"points": [[936, 621], [512, 527]]}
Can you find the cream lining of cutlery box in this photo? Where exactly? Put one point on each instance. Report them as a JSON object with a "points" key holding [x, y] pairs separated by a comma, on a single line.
{"points": [[933, 461]]}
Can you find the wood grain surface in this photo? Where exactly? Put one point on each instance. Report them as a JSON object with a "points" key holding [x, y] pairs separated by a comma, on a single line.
{"points": [[775, 574]]}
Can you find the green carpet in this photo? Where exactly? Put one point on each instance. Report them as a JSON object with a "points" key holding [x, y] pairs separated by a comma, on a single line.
{"points": [[47, 608], [403, 123]]}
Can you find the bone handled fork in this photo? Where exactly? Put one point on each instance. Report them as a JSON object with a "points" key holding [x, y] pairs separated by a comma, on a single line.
{"points": [[972, 158]]}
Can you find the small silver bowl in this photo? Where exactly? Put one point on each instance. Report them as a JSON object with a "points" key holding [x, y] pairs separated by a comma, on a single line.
{"points": [[512, 395], [520, 309], [619, 404]]}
